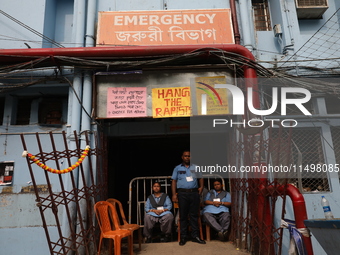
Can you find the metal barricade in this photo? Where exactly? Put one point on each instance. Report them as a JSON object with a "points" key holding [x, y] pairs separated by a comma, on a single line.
{"points": [[141, 187]]}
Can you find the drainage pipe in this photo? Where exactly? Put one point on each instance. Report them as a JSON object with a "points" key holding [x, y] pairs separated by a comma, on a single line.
{"points": [[299, 207], [234, 21], [300, 213], [76, 93], [86, 118], [119, 51], [246, 24]]}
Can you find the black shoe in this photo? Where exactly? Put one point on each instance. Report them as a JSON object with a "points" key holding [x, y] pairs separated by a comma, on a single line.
{"points": [[220, 236], [198, 240], [225, 234], [183, 241], [148, 240], [167, 238]]}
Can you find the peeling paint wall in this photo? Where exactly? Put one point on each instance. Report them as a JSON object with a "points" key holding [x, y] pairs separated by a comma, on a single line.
{"points": [[20, 211]]}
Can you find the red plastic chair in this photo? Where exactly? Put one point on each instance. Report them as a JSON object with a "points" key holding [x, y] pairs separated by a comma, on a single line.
{"points": [[126, 225], [109, 226]]}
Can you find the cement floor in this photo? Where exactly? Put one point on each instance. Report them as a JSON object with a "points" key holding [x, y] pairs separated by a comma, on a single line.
{"points": [[213, 247]]}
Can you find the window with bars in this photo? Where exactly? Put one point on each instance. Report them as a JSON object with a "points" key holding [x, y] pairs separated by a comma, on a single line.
{"points": [[49, 110], [261, 15], [302, 149], [23, 111]]}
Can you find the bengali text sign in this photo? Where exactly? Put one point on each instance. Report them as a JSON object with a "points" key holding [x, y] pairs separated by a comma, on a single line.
{"points": [[165, 27], [126, 102]]}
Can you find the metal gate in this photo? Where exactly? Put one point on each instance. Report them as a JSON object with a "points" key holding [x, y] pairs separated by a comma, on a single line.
{"points": [[66, 202], [256, 221]]}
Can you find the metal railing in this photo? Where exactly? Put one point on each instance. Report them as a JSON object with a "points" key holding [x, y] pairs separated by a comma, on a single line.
{"points": [[141, 187]]}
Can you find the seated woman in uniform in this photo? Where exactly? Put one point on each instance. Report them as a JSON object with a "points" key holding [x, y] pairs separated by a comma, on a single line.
{"points": [[157, 208]]}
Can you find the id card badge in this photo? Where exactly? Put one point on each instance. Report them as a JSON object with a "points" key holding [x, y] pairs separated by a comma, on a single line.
{"points": [[217, 200], [189, 179], [160, 208]]}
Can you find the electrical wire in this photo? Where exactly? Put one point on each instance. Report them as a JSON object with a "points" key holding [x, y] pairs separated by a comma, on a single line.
{"points": [[31, 29], [80, 102], [312, 36], [125, 64]]}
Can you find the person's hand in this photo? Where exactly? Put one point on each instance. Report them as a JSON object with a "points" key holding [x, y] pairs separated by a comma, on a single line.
{"points": [[217, 204], [174, 198], [158, 212], [200, 190]]}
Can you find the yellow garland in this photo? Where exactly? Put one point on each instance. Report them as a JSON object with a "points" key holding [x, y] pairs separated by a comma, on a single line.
{"points": [[56, 171]]}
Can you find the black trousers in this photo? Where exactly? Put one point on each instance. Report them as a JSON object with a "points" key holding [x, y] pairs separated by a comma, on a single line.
{"points": [[188, 203]]}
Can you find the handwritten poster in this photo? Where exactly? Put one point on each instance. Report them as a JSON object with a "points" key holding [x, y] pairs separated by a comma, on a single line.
{"points": [[126, 102], [171, 102], [211, 100]]}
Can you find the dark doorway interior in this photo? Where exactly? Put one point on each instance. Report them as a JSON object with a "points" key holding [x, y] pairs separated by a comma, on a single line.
{"points": [[142, 156]]}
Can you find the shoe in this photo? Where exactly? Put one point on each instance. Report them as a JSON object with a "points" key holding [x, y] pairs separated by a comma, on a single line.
{"points": [[183, 241], [220, 236], [225, 234], [167, 238], [148, 240], [198, 240]]}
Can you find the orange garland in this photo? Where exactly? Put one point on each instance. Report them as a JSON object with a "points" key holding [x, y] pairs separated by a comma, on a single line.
{"points": [[56, 171]]}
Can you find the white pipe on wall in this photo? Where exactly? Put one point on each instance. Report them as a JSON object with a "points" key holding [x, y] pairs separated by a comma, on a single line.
{"points": [[76, 96], [90, 23], [247, 28]]}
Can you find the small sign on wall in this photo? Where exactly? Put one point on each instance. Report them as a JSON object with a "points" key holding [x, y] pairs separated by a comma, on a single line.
{"points": [[210, 99], [171, 102], [6, 172], [126, 102]]}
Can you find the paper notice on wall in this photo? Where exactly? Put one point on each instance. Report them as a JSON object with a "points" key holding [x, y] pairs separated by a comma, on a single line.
{"points": [[126, 102], [171, 102], [210, 99]]}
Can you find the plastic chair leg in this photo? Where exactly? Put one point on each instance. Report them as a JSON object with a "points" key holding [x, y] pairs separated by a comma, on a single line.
{"points": [[140, 239], [130, 243], [100, 244], [117, 246], [207, 231]]}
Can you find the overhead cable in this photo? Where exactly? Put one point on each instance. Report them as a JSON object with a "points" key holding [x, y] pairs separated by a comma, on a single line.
{"points": [[31, 29]]}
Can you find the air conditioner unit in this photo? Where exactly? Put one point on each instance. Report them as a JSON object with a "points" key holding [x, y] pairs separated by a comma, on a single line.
{"points": [[311, 9]]}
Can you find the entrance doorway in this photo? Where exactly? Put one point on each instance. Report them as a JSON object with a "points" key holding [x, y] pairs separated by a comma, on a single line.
{"points": [[139, 147], [144, 148]]}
